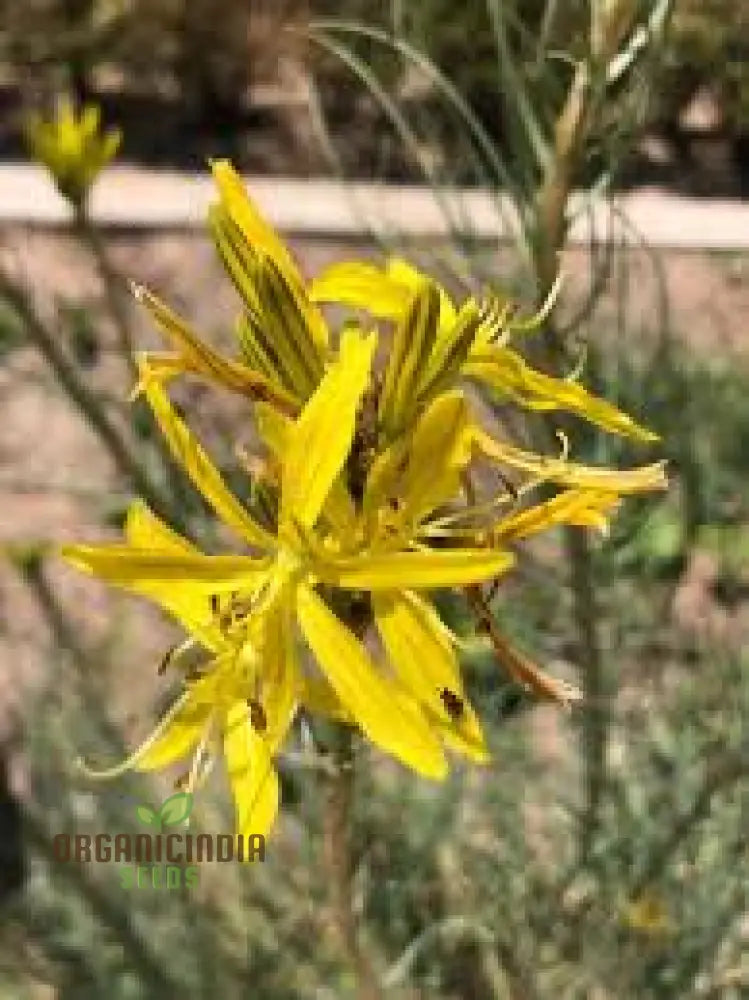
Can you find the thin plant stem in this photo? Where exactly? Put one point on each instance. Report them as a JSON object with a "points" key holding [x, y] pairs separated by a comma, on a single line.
{"points": [[337, 856], [114, 287], [571, 132], [85, 399], [595, 717]]}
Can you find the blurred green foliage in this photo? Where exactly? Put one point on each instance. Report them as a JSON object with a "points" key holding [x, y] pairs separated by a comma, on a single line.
{"points": [[709, 48], [207, 56]]}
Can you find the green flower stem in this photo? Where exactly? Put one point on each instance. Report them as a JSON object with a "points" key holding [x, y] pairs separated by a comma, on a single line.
{"points": [[115, 291], [572, 129], [339, 788]]}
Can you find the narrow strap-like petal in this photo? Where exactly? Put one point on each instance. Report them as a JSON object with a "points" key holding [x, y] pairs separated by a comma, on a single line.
{"points": [[415, 570], [425, 662], [385, 712], [194, 459], [321, 438]]}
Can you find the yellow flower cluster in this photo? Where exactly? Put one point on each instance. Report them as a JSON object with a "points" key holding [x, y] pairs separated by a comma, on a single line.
{"points": [[365, 503]]}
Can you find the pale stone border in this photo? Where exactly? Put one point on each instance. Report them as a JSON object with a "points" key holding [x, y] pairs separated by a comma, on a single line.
{"points": [[129, 197]]}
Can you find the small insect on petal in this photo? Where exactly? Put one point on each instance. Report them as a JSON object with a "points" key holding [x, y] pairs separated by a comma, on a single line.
{"points": [[454, 705]]}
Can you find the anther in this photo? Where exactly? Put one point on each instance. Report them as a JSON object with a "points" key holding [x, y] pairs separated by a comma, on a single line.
{"points": [[165, 661], [258, 718]]}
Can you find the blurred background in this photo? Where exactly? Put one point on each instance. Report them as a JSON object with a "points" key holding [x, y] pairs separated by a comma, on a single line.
{"points": [[605, 853]]}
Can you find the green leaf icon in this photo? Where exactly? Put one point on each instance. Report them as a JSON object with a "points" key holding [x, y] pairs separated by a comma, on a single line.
{"points": [[176, 809], [147, 816]]}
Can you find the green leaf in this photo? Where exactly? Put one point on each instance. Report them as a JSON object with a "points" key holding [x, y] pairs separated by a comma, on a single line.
{"points": [[176, 809], [147, 815]]}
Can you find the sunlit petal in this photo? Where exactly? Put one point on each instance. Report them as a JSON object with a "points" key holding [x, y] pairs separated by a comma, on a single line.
{"points": [[425, 662], [190, 454], [252, 776], [416, 570], [322, 436], [385, 715]]}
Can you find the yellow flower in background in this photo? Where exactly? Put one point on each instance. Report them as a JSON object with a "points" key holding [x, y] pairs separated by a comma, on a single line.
{"points": [[648, 915], [72, 146]]}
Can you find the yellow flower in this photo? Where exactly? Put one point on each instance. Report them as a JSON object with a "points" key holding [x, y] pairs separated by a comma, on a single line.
{"points": [[240, 608], [382, 547], [72, 147], [368, 500]]}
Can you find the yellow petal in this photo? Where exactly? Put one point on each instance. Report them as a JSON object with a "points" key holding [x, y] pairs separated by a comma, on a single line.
{"points": [[253, 343], [383, 480], [129, 566], [279, 672], [425, 662], [415, 570], [556, 470], [252, 777], [454, 341], [413, 340], [247, 216], [578, 507], [440, 451], [322, 436], [285, 314], [383, 711], [275, 429], [180, 738], [190, 454], [361, 286], [384, 294], [319, 698], [202, 360], [409, 277], [274, 330], [177, 733], [260, 235], [143, 530], [505, 370]]}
